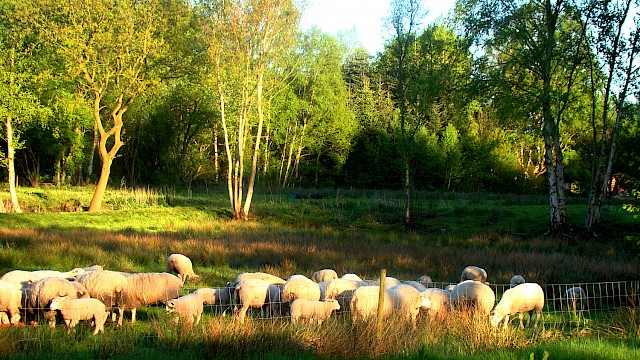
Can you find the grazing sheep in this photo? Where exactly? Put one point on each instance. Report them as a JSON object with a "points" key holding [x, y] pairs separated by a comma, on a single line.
{"points": [[407, 301], [342, 290], [41, 292], [475, 294], [353, 277], [106, 286], [312, 310], [416, 284], [74, 310], [474, 273], [389, 282], [180, 264], [364, 304], [439, 302], [519, 300], [426, 281], [575, 299], [10, 301], [271, 279], [300, 287], [188, 308], [145, 289], [516, 280], [325, 275], [220, 298], [251, 293]]}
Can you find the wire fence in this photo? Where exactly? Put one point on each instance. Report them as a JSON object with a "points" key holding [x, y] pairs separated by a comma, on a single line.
{"points": [[600, 304]]}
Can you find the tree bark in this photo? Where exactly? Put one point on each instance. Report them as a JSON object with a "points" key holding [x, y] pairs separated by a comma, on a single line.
{"points": [[11, 153]]}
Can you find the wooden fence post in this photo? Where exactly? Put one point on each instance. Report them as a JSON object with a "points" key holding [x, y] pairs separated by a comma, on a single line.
{"points": [[383, 277]]}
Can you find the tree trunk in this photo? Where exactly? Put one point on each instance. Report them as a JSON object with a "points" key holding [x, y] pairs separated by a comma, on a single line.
{"points": [[256, 149], [92, 153], [15, 205]]}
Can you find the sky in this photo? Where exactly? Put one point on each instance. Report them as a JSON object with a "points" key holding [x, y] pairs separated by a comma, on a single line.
{"points": [[361, 20]]}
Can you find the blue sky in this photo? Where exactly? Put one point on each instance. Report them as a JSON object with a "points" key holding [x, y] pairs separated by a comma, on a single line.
{"points": [[360, 20]]}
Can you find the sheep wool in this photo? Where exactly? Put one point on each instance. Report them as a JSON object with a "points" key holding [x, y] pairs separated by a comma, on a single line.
{"points": [[324, 275], [145, 289], [439, 302], [300, 287], [407, 301], [251, 293], [312, 310], [41, 292], [473, 273], [519, 300], [187, 308], [74, 310], [272, 279], [516, 280], [10, 301], [106, 286], [473, 294], [416, 284], [364, 304], [181, 265]]}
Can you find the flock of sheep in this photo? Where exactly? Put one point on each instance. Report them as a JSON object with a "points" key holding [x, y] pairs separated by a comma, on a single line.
{"points": [[96, 294]]}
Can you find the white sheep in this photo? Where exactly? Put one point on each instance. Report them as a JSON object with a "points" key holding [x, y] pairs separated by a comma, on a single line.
{"points": [[474, 273], [575, 299], [300, 287], [23, 278], [272, 279], [10, 301], [353, 277], [312, 310], [106, 286], [440, 302], [181, 264], [251, 293], [426, 281], [325, 275], [516, 280], [407, 301], [187, 308], [389, 282], [342, 290], [74, 310], [473, 294], [364, 304], [220, 298], [519, 300], [145, 289], [416, 284], [41, 292]]}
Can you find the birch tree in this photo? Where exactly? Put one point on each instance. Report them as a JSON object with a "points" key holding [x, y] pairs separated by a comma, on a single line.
{"points": [[245, 37]]}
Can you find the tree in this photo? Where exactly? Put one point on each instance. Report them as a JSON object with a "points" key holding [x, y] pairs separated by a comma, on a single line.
{"points": [[246, 38], [112, 48], [616, 59], [542, 41]]}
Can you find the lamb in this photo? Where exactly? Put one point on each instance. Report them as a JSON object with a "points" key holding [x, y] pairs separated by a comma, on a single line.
{"points": [[439, 302], [474, 273], [10, 301], [180, 264], [220, 298], [575, 299], [145, 289], [364, 304], [41, 292], [519, 300], [188, 308], [516, 280], [312, 310], [252, 293], [325, 275], [74, 310], [300, 287], [408, 301], [475, 294]]}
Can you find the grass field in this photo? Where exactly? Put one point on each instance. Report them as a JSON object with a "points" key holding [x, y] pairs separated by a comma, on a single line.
{"points": [[349, 231]]}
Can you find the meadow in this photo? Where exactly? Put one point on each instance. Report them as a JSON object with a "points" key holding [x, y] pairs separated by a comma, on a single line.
{"points": [[350, 231]]}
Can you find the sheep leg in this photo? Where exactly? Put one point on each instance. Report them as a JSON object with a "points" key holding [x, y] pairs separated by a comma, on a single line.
{"points": [[120, 316], [506, 321], [68, 324], [538, 313], [133, 315]]}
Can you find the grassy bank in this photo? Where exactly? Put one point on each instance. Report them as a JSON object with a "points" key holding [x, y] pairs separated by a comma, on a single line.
{"points": [[356, 232]]}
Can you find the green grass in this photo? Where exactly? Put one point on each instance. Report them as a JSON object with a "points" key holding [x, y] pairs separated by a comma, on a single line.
{"points": [[350, 231]]}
